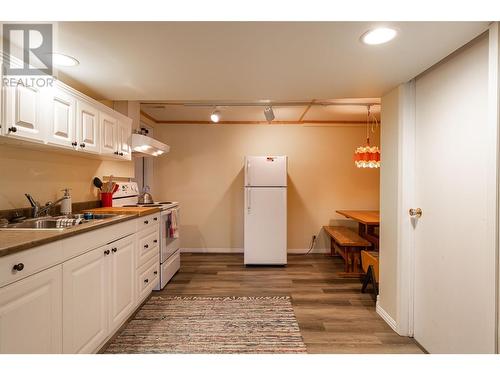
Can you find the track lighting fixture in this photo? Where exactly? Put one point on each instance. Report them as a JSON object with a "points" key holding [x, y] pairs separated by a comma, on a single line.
{"points": [[215, 116], [269, 113]]}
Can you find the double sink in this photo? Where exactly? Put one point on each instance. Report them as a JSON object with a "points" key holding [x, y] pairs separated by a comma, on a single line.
{"points": [[56, 222]]}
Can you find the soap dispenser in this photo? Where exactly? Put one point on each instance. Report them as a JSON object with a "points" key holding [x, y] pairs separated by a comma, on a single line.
{"points": [[66, 202]]}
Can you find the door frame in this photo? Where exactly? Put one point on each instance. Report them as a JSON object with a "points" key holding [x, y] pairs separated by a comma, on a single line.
{"points": [[406, 186]]}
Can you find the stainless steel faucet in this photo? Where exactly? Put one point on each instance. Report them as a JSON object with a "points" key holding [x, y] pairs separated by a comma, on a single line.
{"points": [[38, 210]]}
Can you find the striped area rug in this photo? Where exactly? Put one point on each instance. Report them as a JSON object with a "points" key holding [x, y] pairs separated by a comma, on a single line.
{"points": [[174, 324]]}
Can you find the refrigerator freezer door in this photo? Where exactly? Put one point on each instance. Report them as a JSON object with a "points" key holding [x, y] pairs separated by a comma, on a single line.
{"points": [[265, 170], [265, 226]]}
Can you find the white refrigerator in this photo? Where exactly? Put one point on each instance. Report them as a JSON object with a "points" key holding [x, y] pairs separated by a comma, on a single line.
{"points": [[265, 210]]}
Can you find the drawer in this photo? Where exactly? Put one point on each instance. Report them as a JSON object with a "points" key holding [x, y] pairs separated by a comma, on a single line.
{"points": [[148, 278], [147, 244], [87, 241], [31, 261], [150, 221], [170, 267]]}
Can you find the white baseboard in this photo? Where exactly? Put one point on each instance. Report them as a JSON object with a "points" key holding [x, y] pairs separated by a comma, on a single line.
{"points": [[211, 250], [236, 250], [387, 318]]}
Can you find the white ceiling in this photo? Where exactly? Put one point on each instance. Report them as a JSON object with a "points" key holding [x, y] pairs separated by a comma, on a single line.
{"points": [[248, 61]]}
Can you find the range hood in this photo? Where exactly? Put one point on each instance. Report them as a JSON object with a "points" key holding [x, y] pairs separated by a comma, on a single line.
{"points": [[142, 145]]}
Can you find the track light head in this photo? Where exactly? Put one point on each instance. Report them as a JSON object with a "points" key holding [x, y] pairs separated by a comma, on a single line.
{"points": [[269, 113], [215, 116]]}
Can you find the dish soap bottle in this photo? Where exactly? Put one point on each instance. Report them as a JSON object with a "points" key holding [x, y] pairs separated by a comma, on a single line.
{"points": [[66, 203]]}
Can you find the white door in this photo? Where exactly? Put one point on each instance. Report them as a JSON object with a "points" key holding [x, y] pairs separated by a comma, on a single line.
{"points": [[23, 113], [85, 300], [122, 283], [31, 314], [60, 119], [265, 226], [265, 170], [124, 139], [454, 251], [109, 134], [87, 125]]}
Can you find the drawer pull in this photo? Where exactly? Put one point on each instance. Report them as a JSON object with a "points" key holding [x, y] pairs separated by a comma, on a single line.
{"points": [[114, 249], [146, 281], [155, 219], [18, 267], [146, 246], [146, 222], [106, 252], [156, 272], [155, 241]]}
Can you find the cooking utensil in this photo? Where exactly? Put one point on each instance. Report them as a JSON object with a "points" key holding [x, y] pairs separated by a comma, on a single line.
{"points": [[115, 188], [145, 197], [97, 183]]}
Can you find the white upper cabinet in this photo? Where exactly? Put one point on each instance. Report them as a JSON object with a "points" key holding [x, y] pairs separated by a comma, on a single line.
{"points": [[87, 125], [109, 134], [60, 119], [31, 314], [23, 113], [124, 139]]}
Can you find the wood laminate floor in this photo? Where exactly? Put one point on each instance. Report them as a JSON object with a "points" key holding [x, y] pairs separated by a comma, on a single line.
{"points": [[333, 315]]}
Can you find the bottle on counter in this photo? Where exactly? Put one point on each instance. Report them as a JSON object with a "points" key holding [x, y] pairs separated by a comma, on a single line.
{"points": [[66, 203]]}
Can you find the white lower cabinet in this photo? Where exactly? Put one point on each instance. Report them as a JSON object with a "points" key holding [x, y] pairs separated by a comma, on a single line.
{"points": [[99, 294], [122, 281], [31, 314], [85, 301]]}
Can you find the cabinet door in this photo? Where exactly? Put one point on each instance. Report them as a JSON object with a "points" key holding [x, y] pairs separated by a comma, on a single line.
{"points": [[87, 125], [122, 274], [31, 314], [23, 113], [60, 119], [124, 139], [85, 302], [109, 134]]}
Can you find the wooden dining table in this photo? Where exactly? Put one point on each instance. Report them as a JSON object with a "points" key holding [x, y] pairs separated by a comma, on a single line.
{"points": [[367, 221]]}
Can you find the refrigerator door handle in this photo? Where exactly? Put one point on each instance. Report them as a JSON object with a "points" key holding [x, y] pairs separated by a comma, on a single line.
{"points": [[248, 174], [249, 200]]}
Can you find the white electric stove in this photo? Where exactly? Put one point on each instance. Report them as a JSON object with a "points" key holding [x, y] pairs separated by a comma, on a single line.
{"points": [[127, 196]]}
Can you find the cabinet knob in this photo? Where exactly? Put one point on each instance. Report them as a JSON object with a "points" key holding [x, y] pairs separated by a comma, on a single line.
{"points": [[155, 219], [121, 153], [114, 249], [116, 153], [12, 129], [155, 241], [146, 280], [18, 267], [74, 144], [146, 222], [106, 252], [82, 145], [156, 272], [146, 246]]}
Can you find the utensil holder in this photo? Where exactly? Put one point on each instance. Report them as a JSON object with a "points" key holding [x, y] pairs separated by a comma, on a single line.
{"points": [[107, 199]]}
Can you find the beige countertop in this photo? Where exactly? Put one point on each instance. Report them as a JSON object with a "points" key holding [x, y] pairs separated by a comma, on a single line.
{"points": [[12, 241]]}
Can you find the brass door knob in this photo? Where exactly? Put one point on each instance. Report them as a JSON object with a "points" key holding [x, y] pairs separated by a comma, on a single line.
{"points": [[415, 212]]}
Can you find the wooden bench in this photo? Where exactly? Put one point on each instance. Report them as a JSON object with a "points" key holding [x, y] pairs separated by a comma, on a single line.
{"points": [[369, 262], [348, 244]]}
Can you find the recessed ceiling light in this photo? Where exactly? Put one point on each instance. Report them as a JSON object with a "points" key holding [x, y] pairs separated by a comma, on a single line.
{"points": [[215, 116], [64, 60], [379, 35]]}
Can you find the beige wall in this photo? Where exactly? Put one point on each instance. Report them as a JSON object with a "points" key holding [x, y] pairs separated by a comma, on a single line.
{"points": [[389, 204], [204, 172], [45, 173]]}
